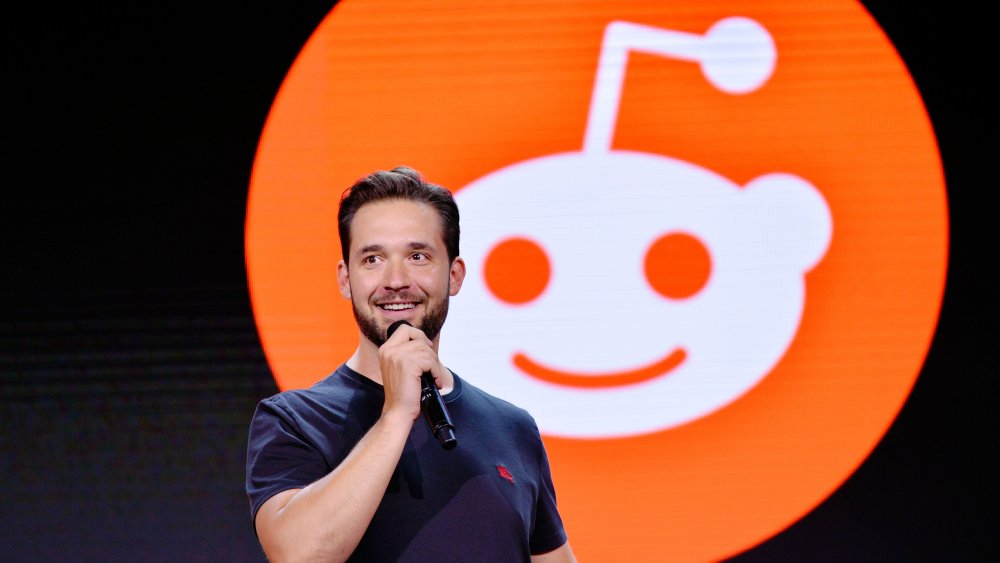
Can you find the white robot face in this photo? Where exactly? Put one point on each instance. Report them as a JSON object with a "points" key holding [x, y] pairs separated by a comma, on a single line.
{"points": [[618, 293]]}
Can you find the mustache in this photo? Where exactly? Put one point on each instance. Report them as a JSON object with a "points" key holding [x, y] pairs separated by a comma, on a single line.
{"points": [[396, 296]]}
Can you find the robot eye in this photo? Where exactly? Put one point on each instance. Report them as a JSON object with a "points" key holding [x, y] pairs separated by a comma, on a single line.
{"points": [[677, 265], [517, 270]]}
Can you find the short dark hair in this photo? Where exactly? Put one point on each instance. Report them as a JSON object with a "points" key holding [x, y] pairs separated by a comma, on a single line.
{"points": [[399, 183]]}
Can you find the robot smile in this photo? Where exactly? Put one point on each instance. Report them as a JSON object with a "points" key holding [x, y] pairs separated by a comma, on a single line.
{"points": [[601, 380]]}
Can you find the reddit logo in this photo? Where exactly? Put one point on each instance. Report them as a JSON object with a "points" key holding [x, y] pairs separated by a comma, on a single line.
{"points": [[713, 271], [706, 244]]}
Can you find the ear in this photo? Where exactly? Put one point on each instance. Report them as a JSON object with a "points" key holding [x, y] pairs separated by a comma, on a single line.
{"points": [[343, 280], [456, 275]]}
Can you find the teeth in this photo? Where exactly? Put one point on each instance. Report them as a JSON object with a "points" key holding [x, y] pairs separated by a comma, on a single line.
{"points": [[397, 306]]}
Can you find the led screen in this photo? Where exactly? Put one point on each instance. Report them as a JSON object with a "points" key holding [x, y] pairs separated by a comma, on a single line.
{"points": [[721, 252]]}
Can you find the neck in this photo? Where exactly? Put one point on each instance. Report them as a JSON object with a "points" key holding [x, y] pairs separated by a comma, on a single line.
{"points": [[364, 360]]}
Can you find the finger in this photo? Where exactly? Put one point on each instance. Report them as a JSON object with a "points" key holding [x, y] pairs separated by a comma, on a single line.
{"points": [[405, 332], [401, 334], [437, 372]]}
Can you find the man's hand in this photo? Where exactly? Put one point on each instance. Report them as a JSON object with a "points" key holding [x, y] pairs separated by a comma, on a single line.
{"points": [[404, 357]]}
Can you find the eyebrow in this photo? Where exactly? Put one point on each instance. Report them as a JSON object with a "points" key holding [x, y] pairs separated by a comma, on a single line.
{"points": [[415, 245]]}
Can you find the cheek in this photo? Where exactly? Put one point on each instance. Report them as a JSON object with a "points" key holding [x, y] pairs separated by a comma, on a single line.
{"points": [[359, 286]]}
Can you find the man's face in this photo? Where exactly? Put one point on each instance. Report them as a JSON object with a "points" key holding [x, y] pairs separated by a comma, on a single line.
{"points": [[398, 269]]}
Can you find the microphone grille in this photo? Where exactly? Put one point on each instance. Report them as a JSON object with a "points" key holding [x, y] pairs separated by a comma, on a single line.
{"points": [[392, 328]]}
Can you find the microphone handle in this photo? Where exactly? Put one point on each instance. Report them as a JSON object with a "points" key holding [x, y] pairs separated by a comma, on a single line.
{"points": [[431, 403], [436, 413]]}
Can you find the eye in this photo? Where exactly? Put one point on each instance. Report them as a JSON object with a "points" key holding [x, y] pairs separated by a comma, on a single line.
{"points": [[678, 265], [418, 256], [517, 270]]}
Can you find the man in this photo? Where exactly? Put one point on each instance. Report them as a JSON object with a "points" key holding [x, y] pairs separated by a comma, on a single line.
{"points": [[344, 470]]}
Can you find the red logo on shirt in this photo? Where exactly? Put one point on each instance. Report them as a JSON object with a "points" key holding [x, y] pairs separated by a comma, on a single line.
{"points": [[505, 474]]}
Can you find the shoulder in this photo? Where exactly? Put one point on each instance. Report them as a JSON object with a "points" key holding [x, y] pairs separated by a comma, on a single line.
{"points": [[472, 393], [315, 426], [500, 409], [332, 398]]}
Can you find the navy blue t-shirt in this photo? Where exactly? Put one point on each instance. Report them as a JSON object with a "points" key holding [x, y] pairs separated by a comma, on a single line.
{"points": [[489, 499]]}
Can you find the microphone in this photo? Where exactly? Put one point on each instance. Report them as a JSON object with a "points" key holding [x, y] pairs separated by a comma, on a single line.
{"points": [[432, 404]]}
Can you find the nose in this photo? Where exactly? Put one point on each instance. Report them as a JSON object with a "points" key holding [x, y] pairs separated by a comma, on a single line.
{"points": [[395, 275]]}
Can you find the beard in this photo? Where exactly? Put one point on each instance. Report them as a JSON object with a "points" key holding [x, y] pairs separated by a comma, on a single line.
{"points": [[430, 324]]}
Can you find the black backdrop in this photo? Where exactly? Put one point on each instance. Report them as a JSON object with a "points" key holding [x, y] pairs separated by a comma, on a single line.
{"points": [[129, 359]]}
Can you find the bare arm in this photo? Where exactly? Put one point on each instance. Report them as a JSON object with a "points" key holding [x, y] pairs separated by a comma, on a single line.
{"points": [[561, 554], [326, 520]]}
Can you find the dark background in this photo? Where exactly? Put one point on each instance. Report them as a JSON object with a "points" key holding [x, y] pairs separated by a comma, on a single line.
{"points": [[129, 360]]}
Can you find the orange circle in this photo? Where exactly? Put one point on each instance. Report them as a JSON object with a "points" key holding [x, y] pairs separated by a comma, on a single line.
{"points": [[460, 92], [516, 270], [677, 265]]}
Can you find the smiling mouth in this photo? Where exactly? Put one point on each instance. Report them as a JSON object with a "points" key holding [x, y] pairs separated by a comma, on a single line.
{"points": [[397, 306], [600, 380]]}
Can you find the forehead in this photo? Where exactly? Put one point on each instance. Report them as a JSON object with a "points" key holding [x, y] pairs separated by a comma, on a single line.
{"points": [[395, 221]]}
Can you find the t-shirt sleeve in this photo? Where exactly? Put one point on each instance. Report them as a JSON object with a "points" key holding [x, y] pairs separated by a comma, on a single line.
{"points": [[548, 532], [278, 457]]}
